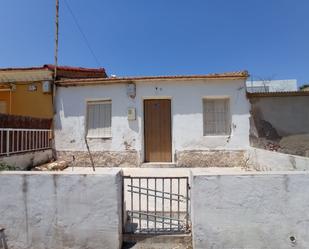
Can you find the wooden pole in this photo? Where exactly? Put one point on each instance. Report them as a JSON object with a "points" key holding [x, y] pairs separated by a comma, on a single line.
{"points": [[56, 39], [55, 76]]}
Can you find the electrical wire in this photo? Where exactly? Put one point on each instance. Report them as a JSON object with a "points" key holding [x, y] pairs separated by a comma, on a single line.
{"points": [[82, 33]]}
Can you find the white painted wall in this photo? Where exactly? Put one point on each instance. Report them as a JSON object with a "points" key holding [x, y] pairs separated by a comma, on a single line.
{"points": [[251, 211], [61, 210], [28, 160], [265, 160], [187, 115], [274, 85]]}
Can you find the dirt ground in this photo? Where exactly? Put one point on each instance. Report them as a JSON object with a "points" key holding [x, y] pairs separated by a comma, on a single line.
{"points": [[293, 144]]}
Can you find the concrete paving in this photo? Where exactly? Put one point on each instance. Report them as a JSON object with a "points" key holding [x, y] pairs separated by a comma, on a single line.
{"points": [[160, 171], [181, 241]]}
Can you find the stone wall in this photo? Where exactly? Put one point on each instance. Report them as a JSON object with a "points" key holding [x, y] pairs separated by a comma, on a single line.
{"points": [[280, 124], [212, 158], [250, 210], [100, 159], [61, 210]]}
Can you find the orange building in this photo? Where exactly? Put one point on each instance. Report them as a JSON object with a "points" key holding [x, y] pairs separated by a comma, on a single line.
{"points": [[28, 91]]}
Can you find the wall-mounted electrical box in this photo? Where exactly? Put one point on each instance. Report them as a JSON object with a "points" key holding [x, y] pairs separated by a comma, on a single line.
{"points": [[46, 87], [131, 90], [131, 113]]}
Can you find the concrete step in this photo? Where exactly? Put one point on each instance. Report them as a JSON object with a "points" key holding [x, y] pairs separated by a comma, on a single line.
{"points": [[158, 165], [175, 241]]}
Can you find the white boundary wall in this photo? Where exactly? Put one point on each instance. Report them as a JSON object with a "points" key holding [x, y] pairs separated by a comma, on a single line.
{"points": [[61, 210], [256, 211], [265, 160], [28, 159]]}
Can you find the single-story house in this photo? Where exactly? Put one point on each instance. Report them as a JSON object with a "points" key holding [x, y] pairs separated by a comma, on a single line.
{"points": [[200, 120]]}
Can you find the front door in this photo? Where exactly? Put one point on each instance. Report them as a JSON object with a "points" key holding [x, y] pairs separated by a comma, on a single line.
{"points": [[157, 130]]}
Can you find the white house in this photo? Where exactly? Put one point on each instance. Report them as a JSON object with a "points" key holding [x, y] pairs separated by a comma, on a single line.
{"points": [[271, 85], [200, 120]]}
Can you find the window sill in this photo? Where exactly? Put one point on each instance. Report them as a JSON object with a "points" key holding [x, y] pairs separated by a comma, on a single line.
{"points": [[104, 138], [222, 136]]}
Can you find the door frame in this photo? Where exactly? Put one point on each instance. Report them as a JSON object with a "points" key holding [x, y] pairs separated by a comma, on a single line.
{"points": [[143, 151]]}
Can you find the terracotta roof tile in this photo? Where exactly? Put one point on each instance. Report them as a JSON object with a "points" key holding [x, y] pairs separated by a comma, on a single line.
{"points": [[87, 81], [277, 94], [65, 71]]}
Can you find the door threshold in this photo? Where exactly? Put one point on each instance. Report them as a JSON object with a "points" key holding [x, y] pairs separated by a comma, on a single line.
{"points": [[158, 165]]}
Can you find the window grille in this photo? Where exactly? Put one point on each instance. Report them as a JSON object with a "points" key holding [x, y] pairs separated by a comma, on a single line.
{"points": [[216, 116], [99, 119]]}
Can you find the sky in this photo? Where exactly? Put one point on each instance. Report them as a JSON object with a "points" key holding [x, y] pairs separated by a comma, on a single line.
{"points": [[269, 38]]}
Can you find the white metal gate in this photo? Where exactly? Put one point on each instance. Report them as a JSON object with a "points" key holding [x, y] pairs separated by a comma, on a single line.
{"points": [[156, 205]]}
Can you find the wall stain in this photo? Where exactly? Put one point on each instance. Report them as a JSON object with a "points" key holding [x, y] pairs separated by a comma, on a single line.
{"points": [[286, 183], [25, 199]]}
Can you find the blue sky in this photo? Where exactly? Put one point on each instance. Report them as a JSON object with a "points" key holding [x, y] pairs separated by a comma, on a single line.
{"points": [[269, 38]]}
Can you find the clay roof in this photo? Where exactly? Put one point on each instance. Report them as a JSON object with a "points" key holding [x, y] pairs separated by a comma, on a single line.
{"points": [[21, 68], [278, 94], [64, 71], [77, 72], [89, 81]]}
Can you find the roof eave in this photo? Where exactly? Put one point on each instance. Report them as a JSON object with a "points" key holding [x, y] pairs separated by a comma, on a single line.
{"points": [[99, 81]]}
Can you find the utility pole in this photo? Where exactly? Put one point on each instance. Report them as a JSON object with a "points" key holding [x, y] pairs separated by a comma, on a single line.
{"points": [[55, 75], [56, 40]]}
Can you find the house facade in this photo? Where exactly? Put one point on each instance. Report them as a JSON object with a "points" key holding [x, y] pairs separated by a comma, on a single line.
{"points": [[175, 120]]}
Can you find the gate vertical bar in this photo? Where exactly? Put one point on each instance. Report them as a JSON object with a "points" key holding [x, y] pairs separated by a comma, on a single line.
{"points": [[178, 215], [139, 205], [163, 204], [187, 204], [147, 205], [171, 202], [132, 200], [155, 206]]}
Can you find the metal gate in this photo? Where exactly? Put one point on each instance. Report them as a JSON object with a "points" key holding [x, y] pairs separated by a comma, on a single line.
{"points": [[156, 205]]}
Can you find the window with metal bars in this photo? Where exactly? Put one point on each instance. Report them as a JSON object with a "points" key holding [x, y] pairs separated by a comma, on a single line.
{"points": [[99, 119], [216, 116]]}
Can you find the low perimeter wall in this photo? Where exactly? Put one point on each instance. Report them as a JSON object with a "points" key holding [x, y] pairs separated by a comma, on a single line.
{"points": [[28, 160], [256, 211], [265, 160], [61, 210]]}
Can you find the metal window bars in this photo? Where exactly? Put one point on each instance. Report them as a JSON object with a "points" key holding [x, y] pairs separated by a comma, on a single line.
{"points": [[14, 141], [156, 205]]}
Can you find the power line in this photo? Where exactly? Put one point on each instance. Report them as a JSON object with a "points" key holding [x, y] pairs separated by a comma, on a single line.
{"points": [[82, 33]]}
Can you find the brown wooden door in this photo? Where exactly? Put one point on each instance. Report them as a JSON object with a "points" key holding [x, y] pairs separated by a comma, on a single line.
{"points": [[157, 130]]}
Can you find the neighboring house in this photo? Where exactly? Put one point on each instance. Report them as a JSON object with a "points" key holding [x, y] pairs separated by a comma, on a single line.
{"points": [[183, 120], [28, 91], [304, 87], [271, 86]]}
